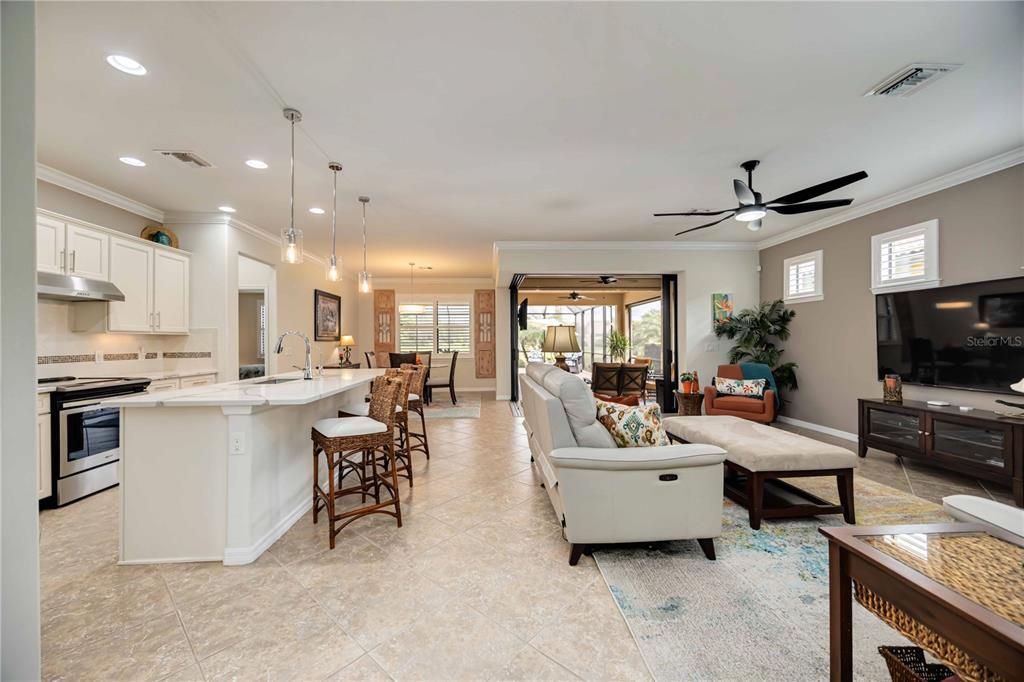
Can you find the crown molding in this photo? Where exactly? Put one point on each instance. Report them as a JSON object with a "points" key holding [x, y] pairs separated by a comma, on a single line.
{"points": [[624, 246], [196, 218], [957, 177], [86, 188]]}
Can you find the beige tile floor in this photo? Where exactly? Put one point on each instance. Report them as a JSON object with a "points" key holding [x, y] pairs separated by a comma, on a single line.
{"points": [[475, 585]]}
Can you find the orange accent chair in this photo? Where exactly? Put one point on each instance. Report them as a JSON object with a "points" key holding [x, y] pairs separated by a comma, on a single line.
{"points": [[762, 411]]}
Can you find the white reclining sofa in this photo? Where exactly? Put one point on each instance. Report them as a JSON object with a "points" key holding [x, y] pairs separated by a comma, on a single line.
{"points": [[605, 494]]}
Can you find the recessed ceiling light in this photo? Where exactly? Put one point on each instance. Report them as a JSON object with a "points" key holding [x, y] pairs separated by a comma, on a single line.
{"points": [[316, 210], [126, 64], [226, 209], [132, 161], [256, 163]]}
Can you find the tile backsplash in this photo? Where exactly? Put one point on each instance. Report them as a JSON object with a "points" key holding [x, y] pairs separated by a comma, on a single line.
{"points": [[62, 351]]}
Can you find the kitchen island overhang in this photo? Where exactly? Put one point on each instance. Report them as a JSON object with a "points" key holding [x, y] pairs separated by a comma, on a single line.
{"points": [[220, 472]]}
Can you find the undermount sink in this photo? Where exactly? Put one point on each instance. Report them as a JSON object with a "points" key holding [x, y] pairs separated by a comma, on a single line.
{"points": [[276, 381]]}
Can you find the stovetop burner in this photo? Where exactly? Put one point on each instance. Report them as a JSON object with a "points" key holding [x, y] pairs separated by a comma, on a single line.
{"points": [[74, 384]]}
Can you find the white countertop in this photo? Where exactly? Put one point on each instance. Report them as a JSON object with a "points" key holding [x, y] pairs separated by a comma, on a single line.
{"points": [[175, 374], [252, 393]]}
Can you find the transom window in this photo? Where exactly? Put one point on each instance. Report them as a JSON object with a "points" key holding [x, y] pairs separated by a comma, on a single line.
{"points": [[802, 278], [907, 258], [434, 327]]}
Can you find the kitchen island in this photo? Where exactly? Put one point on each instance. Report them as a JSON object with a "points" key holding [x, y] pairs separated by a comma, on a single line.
{"points": [[220, 472]]}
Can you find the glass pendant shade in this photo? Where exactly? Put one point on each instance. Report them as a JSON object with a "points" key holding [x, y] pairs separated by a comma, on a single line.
{"points": [[291, 246], [333, 269], [365, 282]]}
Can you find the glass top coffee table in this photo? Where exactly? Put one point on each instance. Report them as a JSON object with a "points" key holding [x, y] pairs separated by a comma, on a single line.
{"points": [[955, 589]]}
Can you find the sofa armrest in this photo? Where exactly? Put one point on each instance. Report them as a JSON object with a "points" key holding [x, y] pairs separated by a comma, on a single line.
{"points": [[631, 459], [710, 393]]}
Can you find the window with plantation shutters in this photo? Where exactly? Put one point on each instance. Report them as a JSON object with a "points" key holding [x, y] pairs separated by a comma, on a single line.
{"points": [[440, 327], [802, 278], [907, 258]]}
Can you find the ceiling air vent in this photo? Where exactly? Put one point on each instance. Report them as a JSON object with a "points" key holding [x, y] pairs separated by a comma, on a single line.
{"points": [[186, 157], [910, 79]]}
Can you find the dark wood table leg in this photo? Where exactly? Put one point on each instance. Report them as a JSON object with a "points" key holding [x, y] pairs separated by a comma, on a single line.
{"points": [[840, 615], [755, 498], [845, 481]]}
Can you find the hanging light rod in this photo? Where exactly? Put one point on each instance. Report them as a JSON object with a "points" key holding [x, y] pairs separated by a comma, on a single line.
{"points": [[365, 279], [333, 273], [291, 238]]}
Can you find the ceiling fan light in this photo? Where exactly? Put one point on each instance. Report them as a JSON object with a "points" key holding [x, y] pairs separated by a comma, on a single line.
{"points": [[749, 213], [754, 225]]}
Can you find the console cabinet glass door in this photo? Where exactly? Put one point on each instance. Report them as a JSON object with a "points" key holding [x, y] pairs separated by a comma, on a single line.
{"points": [[895, 427], [979, 444]]}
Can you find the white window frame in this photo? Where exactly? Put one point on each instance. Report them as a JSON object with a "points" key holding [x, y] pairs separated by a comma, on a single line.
{"points": [[436, 302], [926, 280], [818, 294]]}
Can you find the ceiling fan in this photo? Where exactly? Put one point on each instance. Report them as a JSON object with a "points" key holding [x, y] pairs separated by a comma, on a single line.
{"points": [[576, 296], [752, 209]]}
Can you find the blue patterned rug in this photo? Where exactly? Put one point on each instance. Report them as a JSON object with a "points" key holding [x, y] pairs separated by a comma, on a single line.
{"points": [[760, 612]]}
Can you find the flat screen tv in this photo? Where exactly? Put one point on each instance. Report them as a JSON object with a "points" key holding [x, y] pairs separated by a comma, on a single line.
{"points": [[969, 336]]}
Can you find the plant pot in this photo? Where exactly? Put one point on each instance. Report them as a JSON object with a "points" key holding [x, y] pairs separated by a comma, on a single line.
{"points": [[687, 387]]}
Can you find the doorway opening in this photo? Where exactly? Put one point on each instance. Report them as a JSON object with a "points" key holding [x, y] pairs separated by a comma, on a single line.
{"points": [[255, 317]]}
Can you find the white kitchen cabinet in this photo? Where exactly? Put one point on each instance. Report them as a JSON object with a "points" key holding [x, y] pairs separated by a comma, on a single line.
{"points": [[170, 292], [67, 248], [163, 385], [131, 271], [44, 484], [88, 252], [201, 380], [49, 245]]}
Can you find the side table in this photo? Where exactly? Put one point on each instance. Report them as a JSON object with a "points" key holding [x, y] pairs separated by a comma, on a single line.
{"points": [[689, 403]]}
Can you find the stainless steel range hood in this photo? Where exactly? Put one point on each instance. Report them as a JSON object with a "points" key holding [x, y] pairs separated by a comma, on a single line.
{"points": [[74, 288]]}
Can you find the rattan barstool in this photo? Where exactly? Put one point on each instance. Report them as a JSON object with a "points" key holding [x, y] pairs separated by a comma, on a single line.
{"points": [[357, 445], [417, 441], [403, 454]]}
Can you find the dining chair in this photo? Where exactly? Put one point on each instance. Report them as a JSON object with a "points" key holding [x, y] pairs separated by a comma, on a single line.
{"points": [[604, 377], [371, 359], [633, 379], [396, 359], [448, 383]]}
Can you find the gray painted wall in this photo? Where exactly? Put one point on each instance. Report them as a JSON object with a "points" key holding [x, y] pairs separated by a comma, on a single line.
{"points": [[75, 205], [19, 516], [981, 237]]}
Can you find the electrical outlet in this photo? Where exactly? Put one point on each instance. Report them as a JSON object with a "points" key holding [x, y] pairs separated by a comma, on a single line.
{"points": [[237, 443]]}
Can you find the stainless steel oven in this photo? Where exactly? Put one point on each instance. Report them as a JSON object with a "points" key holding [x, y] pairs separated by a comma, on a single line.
{"points": [[86, 435]]}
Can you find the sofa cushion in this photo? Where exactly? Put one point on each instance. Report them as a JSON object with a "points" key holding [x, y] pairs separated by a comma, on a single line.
{"points": [[580, 408], [738, 403], [632, 427], [751, 388], [538, 370]]}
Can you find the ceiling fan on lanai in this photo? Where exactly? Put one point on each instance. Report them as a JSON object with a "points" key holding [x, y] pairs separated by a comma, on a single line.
{"points": [[752, 208], [576, 296]]}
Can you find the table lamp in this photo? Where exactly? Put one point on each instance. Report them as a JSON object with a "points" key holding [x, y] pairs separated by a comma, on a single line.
{"points": [[560, 340], [347, 342]]}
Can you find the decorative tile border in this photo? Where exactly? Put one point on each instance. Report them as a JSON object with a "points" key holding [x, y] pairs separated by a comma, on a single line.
{"points": [[152, 356], [108, 357], [189, 354], [63, 359]]}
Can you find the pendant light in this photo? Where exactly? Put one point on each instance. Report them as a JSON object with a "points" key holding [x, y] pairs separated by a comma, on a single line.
{"points": [[291, 238], [412, 306], [365, 279], [333, 271]]}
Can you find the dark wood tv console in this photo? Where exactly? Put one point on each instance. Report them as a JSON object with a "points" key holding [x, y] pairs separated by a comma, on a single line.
{"points": [[977, 443]]}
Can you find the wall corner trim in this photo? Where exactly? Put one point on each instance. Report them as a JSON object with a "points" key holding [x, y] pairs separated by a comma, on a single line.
{"points": [[977, 170], [811, 426], [86, 188]]}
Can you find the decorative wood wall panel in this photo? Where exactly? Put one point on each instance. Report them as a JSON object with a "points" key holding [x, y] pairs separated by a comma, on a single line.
{"points": [[483, 315], [385, 324]]}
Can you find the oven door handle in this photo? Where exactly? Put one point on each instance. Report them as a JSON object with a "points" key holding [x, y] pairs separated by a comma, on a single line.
{"points": [[79, 406]]}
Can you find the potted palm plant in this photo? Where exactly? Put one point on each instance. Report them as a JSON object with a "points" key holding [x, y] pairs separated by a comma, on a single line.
{"points": [[618, 345], [756, 331]]}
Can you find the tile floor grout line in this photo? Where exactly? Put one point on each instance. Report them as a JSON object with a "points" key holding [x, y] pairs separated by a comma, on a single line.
{"points": [[181, 623], [903, 468]]}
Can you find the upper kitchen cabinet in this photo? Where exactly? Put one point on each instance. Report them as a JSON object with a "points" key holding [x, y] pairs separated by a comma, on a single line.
{"points": [[170, 293], [131, 271], [67, 248]]}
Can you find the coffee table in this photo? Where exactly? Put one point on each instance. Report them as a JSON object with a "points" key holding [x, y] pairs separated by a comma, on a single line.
{"points": [[955, 589]]}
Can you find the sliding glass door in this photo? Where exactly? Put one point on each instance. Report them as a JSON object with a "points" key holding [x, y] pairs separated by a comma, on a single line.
{"points": [[645, 332]]}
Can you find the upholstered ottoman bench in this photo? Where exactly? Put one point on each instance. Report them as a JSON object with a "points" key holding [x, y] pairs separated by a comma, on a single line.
{"points": [[758, 455]]}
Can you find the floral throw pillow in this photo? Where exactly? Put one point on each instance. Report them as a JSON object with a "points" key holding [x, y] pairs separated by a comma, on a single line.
{"points": [[633, 427], [751, 388]]}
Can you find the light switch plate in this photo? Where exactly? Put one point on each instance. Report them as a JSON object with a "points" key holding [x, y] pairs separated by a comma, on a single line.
{"points": [[237, 445]]}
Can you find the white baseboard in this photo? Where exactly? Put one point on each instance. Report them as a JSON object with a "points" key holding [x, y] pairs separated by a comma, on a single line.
{"points": [[181, 560], [239, 556], [503, 396], [811, 426]]}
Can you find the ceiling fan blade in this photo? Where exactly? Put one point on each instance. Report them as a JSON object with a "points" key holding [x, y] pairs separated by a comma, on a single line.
{"points": [[812, 206], [724, 210], [819, 189], [701, 227], [743, 193]]}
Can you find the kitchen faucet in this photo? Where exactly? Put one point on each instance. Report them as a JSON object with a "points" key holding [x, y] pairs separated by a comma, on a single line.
{"points": [[307, 370]]}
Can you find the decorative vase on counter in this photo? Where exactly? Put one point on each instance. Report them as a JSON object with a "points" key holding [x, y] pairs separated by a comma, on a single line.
{"points": [[892, 388]]}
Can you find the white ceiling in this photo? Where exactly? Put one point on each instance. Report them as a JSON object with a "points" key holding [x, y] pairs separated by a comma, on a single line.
{"points": [[470, 123]]}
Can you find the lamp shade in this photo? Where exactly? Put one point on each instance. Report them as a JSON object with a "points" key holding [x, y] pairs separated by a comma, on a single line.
{"points": [[561, 339], [347, 341], [1019, 386]]}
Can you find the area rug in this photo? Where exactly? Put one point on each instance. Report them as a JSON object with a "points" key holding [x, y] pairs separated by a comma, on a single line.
{"points": [[441, 407], [761, 611]]}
